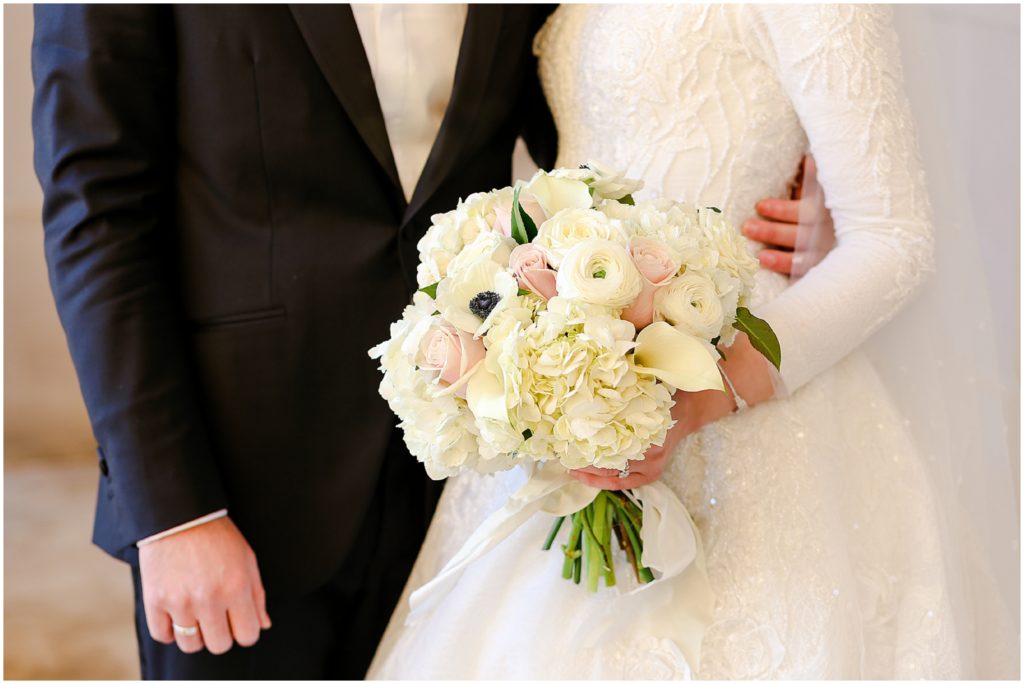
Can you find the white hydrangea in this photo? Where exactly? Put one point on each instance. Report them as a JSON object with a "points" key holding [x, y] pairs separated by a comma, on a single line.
{"points": [[439, 431], [577, 392]]}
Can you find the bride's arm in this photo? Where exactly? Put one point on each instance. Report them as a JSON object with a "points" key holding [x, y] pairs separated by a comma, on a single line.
{"points": [[840, 66]]}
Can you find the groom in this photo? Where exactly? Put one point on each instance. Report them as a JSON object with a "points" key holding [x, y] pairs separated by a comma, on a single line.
{"points": [[233, 196]]}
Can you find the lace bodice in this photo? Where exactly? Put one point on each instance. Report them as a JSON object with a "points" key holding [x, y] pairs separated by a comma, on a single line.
{"points": [[715, 105]]}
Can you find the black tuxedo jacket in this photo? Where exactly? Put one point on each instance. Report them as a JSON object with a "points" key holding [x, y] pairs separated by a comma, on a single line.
{"points": [[227, 237]]}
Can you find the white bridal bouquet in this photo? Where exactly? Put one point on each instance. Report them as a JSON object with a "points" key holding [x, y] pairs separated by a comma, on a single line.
{"points": [[553, 324]]}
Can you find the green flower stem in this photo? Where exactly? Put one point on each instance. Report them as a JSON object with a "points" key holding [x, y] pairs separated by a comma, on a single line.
{"points": [[553, 533], [632, 531], [609, 570], [620, 532], [577, 569], [572, 548], [591, 549], [599, 518]]}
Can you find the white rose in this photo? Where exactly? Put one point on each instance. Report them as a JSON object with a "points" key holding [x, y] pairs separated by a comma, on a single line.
{"points": [[690, 303], [484, 246], [471, 298], [567, 228], [601, 272]]}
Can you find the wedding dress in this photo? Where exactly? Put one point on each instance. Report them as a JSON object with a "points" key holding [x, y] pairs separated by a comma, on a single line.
{"points": [[817, 515]]}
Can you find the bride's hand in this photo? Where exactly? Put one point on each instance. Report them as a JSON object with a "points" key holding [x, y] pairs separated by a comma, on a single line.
{"points": [[747, 369]]}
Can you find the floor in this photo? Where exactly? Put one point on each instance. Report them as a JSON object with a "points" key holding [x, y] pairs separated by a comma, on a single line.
{"points": [[67, 605]]}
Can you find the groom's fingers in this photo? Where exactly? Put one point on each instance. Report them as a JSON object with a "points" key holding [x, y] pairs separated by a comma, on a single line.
{"points": [[159, 624], [213, 623], [771, 232], [245, 625], [259, 597], [786, 211], [188, 643], [776, 260]]}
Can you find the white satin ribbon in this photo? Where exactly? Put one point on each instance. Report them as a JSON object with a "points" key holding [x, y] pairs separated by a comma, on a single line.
{"points": [[672, 549]]}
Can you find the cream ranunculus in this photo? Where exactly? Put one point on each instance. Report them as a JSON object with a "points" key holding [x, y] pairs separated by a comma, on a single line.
{"points": [[471, 298], [598, 271], [567, 228], [690, 303]]}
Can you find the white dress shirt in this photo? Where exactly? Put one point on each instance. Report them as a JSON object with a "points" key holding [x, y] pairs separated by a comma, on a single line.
{"points": [[413, 51]]}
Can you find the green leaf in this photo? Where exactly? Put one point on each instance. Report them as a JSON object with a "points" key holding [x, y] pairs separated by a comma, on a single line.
{"points": [[523, 227], [627, 199], [430, 290], [714, 343], [761, 335], [715, 209], [523, 293]]}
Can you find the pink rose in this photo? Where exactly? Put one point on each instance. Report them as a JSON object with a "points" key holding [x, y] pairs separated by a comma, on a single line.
{"points": [[656, 264], [503, 214], [529, 263], [453, 354]]}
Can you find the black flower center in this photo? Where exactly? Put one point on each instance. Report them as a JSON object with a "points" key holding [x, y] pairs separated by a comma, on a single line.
{"points": [[483, 303]]}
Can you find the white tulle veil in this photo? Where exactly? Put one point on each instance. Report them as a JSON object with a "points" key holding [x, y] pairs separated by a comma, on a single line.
{"points": [[938, 359]]}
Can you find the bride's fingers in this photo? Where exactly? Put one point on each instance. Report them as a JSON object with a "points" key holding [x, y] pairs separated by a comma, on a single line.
{"points": [[596, 481], [600, 472], [636, 478]]}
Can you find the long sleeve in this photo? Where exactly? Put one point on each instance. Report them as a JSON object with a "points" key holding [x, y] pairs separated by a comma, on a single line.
{"points": [[840, 66], [104, 143]]}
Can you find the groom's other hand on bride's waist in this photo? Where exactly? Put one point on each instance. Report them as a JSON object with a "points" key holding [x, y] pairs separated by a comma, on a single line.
{"points": [[780, 219], [201, 587]]}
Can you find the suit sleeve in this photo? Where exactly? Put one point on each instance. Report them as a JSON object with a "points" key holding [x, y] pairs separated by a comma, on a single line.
{"points": [[538, 132], [103, 124]]}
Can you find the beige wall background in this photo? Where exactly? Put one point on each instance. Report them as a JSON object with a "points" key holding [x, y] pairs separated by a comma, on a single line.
{"points": [[67, 607]]}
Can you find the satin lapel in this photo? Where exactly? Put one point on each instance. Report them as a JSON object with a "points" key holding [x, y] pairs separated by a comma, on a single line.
{"points": [[333, 38], [479, 45]]}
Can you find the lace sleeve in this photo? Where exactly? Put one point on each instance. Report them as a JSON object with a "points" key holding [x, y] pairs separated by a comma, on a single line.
{"points": [[840, 66]]}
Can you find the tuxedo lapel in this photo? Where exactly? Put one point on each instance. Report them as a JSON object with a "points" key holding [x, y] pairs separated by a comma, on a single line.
{"points": [[480, 40], [333, 38]]}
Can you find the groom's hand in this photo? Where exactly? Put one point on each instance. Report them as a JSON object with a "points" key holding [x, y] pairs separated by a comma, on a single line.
{"points": [[779, 220], [204, 577]]}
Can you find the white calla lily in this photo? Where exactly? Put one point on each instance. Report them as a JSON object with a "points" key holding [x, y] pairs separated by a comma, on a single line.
{"points": [[486, 396], [672, 356], [555, 194]]}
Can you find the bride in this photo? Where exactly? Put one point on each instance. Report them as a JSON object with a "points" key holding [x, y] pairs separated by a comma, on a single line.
{"points": [[818, 519]]}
